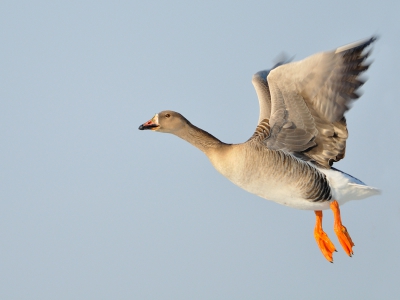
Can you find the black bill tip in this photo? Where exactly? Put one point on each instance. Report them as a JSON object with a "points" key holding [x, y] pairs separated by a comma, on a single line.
{"points": [[146, 127]]}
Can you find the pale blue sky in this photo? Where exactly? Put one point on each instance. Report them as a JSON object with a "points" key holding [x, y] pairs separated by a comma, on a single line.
{"points": [[92, 208]]}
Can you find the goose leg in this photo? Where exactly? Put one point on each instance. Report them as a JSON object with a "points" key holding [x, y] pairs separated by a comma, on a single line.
{"points": [[323, 241], [340, 230]]}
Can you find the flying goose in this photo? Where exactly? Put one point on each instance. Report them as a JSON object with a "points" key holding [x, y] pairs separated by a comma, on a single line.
{"points": [[301, 132]]}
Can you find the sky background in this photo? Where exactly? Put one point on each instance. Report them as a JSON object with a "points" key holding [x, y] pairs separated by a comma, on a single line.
{"points": [[93, 208]]}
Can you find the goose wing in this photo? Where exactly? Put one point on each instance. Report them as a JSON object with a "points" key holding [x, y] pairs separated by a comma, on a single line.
{"points": [[261, 86], [304, 102]]}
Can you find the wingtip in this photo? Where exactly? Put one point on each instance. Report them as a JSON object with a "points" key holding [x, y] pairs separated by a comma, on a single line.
{"points": [[261, 75], [361, 43]]}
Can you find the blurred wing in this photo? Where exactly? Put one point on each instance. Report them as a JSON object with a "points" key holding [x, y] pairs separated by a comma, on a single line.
{"points": [[309, 99], [260, 84]]}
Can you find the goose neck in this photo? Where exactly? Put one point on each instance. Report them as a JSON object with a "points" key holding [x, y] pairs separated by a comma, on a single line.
{"points": [[199, 138]]}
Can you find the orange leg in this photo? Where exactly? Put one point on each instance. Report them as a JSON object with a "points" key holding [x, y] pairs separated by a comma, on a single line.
{"points": [[340, 230], [323, 241]]}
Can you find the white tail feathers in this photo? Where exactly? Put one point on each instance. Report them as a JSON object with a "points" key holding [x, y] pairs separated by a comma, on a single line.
{"points": [[365, 191], [360, 191], [346, 187]]}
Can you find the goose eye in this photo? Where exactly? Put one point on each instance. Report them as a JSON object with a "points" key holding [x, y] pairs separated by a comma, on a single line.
{"points": [[167, 115]]}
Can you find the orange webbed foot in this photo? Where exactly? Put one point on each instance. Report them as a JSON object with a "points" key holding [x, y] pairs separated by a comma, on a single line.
{"points": [[340, 230], [324, 243]]}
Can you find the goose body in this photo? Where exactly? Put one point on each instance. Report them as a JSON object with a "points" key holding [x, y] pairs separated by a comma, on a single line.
{"points": [[286, 179], [301, 133], [268, 178]]}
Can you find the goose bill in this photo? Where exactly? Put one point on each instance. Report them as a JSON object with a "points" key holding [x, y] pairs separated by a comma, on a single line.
{"points": [[151, 124]]}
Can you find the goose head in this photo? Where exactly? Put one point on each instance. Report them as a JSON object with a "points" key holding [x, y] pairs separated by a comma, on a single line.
{"points": [[167, 121]]}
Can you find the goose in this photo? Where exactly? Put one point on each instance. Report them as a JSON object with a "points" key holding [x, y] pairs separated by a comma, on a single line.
{"points": [[301, 132]]}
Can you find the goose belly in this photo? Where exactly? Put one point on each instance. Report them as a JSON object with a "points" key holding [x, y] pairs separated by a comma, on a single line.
{"points": [[266, 175], [280, 192]]}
